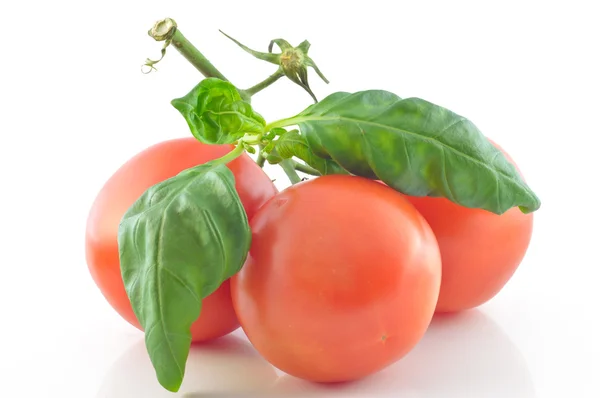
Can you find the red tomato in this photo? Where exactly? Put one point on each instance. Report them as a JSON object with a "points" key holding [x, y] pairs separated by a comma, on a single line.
{"points": [[151, 166], [341, 280], [480, 250]]}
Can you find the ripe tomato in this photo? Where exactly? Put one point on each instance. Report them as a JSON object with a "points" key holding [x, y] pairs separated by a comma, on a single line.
{"points": [[341, 280], [149, 167], [480, 250]]}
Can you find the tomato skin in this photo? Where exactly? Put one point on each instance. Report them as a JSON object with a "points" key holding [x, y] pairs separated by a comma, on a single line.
{"points": [[341, 280], [480, 250], [149, 167]]}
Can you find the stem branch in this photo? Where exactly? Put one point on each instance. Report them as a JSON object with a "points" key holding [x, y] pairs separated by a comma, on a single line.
{"points": [[306, 169], [284, 122], [288, 166], [260, 160], [265, 83], [237, 151]]}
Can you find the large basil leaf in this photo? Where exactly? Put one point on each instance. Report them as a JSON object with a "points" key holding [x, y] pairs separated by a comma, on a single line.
{"points": [[216, 114], [291, 144], [414, 146], [177, 244]]}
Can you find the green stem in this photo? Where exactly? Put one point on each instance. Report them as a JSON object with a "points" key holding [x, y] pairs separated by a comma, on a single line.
{"points": [[284, 122], [306, 169], [288, 166], [166, 30], [194, 56], [236, 152], [265, 83], [260, 160]]}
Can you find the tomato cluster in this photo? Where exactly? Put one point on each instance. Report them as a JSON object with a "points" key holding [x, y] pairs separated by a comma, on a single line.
{"points": [[344, 273]]}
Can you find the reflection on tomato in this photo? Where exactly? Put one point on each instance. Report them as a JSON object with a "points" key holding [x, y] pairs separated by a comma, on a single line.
{"points": [[480, 250], [341, 280], [149, 167]]}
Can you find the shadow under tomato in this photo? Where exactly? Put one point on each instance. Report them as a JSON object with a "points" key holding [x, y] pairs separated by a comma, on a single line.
{"points": [[461, 355], [228, 365]]}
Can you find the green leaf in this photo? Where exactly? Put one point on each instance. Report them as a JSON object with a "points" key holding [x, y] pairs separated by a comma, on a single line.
{"points": [[414, 146], [178, 243], [216, 113], [291, 144]]}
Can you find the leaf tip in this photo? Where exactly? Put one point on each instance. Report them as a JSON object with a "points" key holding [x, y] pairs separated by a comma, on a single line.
{"points": [[172, 386], [170, 379], [177, 103], [530, 209], [535, 204]]}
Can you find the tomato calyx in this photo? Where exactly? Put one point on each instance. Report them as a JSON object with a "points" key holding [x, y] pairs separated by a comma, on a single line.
{"points": [[293, 63]]}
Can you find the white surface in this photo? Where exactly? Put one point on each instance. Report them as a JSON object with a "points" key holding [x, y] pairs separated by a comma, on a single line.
{"points": [[74, 106]]}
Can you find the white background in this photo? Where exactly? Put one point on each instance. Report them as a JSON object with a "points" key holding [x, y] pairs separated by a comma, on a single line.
{"points": [[75, 106]]}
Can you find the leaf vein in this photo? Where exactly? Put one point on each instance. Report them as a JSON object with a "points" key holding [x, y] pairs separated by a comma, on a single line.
{"points": [[183, 283], [216, 234], [445, 178], [161, 232]]}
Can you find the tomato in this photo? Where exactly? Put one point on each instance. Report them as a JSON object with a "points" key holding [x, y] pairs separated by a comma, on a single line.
{"points": [[480, 250], [151, 166], [341, 279]]}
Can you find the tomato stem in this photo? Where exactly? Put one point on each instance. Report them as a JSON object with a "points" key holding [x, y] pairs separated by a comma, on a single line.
{"points": [[265, 83], [306, 169], [288, 166], [195, 57], [234, 154], [283, 123], [260, 160], [166, 30]]}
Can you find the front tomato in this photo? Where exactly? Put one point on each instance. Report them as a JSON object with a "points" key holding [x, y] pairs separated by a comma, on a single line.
{"points": [[341, 280], [149, 167]]}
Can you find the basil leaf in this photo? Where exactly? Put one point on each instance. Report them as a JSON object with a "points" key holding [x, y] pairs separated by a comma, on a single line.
{"points": [[415, 147], [216, 114], [291, 144], [178, 243]]}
